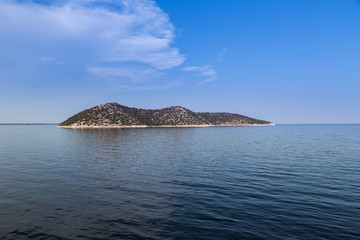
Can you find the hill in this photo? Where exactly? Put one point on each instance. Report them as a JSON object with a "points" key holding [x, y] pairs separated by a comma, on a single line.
{"points": [[118, 116]]}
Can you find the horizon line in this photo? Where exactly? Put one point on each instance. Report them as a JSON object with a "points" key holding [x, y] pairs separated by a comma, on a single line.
{"points": [[38, 123]]}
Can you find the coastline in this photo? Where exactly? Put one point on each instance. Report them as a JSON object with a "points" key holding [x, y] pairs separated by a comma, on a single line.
{"points": [[162, 126]]}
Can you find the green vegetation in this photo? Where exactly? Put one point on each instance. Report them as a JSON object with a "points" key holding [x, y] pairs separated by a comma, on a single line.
{"points": [[228, 118], [113, 114], [77, 117]]}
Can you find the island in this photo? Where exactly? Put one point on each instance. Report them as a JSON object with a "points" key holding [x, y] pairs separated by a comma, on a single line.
{"points": [[114, 115]]}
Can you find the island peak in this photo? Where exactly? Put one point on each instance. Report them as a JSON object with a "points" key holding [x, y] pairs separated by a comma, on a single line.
{"points": [[114, 115]]}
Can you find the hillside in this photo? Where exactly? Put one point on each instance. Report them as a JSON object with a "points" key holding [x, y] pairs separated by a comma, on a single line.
{"points": [[116, 115]]}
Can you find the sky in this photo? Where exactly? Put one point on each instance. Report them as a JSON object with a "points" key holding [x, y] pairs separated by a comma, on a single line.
{"points": [[285, 61]]}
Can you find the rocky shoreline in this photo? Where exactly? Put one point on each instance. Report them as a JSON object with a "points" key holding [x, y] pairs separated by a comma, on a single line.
{"points": [[163, 126]]}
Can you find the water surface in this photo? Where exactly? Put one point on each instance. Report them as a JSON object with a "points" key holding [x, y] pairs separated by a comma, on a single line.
{"points": [[276, 182]]}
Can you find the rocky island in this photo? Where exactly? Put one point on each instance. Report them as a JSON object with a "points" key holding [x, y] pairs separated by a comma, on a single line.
{"points": [[114, 115]]}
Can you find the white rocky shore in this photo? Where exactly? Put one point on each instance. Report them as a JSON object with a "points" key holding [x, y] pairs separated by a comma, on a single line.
{"points": [[74, 126]]}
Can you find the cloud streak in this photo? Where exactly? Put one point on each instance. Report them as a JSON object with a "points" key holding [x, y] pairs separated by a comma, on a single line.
{"points": [[132, 79], [131, 75], [204, 71], [221, 53], [93, 35]]}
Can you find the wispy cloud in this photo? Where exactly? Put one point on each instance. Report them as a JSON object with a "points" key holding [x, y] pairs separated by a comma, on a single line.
{"points": [[139, 87], [205, 71], [52, 59], [129, 30], [221, 53], [212, 78], [132, 75], [98, 36], [134, 79]]}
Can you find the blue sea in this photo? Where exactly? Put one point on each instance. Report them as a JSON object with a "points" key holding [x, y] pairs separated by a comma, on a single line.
{"points": [[274, 182]]}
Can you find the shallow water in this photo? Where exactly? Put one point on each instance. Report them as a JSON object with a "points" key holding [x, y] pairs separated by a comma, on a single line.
{"points": [[276, 182]]}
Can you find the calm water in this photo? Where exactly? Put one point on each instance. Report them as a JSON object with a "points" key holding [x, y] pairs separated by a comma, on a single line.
{"points": [[281, 182]]}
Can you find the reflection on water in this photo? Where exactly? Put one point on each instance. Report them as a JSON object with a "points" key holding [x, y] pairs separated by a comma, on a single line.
{"points": [[298, 182]]}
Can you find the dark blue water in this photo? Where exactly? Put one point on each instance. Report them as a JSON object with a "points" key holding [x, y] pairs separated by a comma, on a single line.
{"points": [[281, 182]]}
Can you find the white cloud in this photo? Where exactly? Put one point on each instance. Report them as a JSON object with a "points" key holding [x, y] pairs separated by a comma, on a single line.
{"points": [[221, 53], [107, 31], [212, 78], [127, 43], [46, 58], [52, 59], [130, 75], [134, 79], [168, 85], [205, 71], [194, 68]]}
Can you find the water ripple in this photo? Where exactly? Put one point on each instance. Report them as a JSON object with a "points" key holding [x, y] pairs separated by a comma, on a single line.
{"points": [[282, 182]]}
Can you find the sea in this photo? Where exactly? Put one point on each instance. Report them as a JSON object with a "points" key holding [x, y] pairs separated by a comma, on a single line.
{"points": [[271, 182]]}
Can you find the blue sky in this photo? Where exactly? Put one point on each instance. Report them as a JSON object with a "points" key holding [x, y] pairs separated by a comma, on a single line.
{"points": [[286, 61]]}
